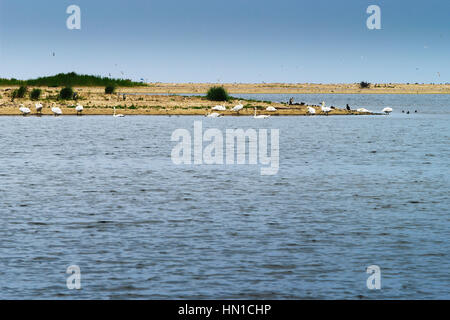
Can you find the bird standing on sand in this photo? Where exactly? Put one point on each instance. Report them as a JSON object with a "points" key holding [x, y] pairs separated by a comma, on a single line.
{"points": [[238, 107], [25, 111], [56, 111], [271, 109], [310, 110], [38, 108], [325, 109], [348, 107], [79, 108]]}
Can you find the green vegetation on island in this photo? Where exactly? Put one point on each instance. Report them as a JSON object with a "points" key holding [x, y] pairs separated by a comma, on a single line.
{"points": [[66, 93], [110, 89], [217, 94], [35, 94], [71, 79]]}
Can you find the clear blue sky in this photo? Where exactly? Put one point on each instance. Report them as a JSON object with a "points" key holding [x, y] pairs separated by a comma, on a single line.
{"points": [[229, 41]]}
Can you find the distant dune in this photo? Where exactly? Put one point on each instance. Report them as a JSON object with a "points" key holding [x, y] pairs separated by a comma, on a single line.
{"points": [[298, 88]]}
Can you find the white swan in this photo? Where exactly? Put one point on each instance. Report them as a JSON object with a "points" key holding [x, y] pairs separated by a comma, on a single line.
{"points": [[271, 109], [362, 110], [24, 110], [56, 111], [387, 110], [325, 109], [117, 115], [261, 116], [79, 108], [238, 107], [219, 108], [311, 110], [38, 107], [213, 115]]}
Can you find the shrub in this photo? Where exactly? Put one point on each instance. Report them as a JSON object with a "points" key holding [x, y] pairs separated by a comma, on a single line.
{"points": [[217, 94], [364, 85], [110, 89], [35, 94], [66, 93], [21, 92]]}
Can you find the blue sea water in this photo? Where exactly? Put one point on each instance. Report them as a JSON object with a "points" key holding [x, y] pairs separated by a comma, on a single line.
{"points": [[351, 191]]}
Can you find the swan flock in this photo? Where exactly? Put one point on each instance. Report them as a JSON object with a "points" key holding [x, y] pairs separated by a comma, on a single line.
{"points": [[310, 110]]}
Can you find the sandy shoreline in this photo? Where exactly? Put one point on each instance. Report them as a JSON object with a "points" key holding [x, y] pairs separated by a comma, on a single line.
{"points": [[285, 88], [142, 102]]}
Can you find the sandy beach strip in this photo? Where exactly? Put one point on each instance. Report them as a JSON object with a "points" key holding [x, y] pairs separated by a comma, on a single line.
{"points": [[287, 88], [96, 102]]}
